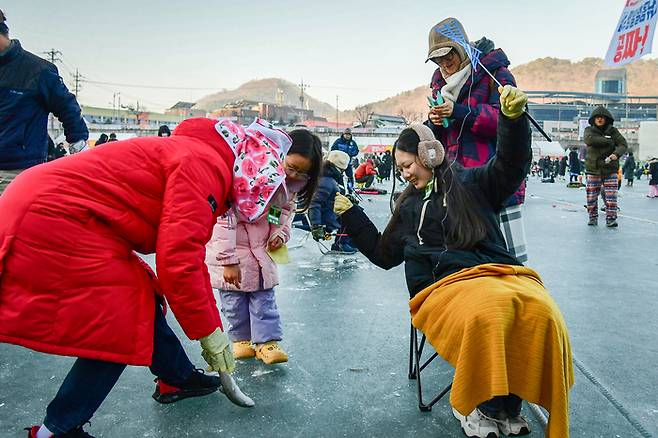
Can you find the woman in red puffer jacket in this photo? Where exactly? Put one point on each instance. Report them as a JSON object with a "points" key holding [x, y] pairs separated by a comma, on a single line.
{"points": [[71, 283]]}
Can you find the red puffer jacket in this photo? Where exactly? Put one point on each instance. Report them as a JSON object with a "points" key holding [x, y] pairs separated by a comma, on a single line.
{"points": [[364, 169], [70, 283]]}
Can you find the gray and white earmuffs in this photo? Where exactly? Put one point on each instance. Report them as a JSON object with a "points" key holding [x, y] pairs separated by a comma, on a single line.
{"points": [[430, 150]]}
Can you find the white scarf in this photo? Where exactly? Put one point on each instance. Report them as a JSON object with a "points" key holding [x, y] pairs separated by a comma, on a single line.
{"points": [[455, 82]]}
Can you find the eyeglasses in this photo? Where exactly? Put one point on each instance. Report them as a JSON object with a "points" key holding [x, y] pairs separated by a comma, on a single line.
{"points": [[295, 173], [445, 58]]}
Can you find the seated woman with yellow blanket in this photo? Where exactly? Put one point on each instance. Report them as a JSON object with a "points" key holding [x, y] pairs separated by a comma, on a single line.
{"points": [[480, 308]]}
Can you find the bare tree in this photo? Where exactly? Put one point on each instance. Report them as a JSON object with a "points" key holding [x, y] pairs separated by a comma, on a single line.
{"points": [[363, 113], [402, 113]]}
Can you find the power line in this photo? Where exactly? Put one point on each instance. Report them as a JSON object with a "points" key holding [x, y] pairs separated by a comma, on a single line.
{"points": [[150, 102], [336, 87], [52, 53], [170, 87], [161, 87]]}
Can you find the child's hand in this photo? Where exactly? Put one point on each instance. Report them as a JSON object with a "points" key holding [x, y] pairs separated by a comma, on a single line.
{"points": [[275, 243], [233, 275]]}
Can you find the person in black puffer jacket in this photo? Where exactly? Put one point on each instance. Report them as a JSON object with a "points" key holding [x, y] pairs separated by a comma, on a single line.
{"points": [[444, 228]]}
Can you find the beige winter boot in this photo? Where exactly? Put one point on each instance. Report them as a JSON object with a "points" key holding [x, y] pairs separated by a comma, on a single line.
{"points": [[270, 353], [243, 350]]}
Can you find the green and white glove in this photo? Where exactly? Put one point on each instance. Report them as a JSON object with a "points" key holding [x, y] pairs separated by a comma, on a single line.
{"points": [[512, 101], [216, 350]]}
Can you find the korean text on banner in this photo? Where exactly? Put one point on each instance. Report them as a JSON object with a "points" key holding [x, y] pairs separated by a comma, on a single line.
{"points": [[633, 35]]}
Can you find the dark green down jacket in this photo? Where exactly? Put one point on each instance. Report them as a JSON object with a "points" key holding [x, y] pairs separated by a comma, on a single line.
{"points": [[601, 143]]}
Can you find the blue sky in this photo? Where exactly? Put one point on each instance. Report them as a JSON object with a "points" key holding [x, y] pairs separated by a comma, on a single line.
{"points": [[359, 50]]}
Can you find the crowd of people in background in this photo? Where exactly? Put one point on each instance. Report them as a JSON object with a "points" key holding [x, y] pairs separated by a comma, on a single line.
{"points": [[552, 169]]}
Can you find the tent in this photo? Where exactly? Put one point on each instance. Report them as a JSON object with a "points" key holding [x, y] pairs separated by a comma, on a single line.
{"points": [[543, 148], [376, 148]]}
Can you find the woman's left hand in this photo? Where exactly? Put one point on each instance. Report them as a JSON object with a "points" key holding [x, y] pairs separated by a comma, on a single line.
{"points": [[445, 109], [275, 243], [512, 101], [341, 204]]}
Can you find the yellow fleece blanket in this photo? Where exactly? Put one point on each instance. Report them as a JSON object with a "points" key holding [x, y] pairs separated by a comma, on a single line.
{"points": [[501, 330]]}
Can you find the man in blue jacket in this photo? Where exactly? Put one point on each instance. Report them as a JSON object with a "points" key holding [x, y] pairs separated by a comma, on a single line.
{"points": [[345, 143], [30, 89]]}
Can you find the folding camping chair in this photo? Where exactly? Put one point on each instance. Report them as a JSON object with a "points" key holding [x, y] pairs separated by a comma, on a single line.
{"points": [[415, 369]]}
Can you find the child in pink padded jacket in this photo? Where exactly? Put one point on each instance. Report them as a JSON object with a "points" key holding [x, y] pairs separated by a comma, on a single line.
{"points": [[240, 267]]}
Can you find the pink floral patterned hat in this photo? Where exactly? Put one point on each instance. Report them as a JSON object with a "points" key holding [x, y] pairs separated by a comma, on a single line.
{"points": [[258, 170]]}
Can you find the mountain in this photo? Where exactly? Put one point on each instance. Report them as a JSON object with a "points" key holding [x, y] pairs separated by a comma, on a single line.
{"points": [[541, 74], [411, 104], [552, 74], [265, 90]]}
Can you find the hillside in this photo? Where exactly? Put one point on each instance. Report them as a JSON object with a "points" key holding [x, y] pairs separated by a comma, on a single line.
{"points": [[265, 90], [541, 74]]}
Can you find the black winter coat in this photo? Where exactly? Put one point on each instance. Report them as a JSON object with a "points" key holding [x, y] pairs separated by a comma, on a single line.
{"points": [[420, 244], [321, 209], [653, 171], [563, 166], [629, 168], [574, 163]]}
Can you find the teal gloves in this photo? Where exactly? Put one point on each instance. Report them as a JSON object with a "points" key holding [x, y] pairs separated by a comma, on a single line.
{"points": [[216, 350], [512, 101]]}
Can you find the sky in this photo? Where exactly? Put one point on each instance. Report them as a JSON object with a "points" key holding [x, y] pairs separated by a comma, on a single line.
{"points": [[351, 51]]}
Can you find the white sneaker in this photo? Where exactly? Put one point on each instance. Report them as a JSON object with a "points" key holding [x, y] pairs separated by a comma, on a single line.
{"points": [[510, 426], [513, 426], [476, 424]]}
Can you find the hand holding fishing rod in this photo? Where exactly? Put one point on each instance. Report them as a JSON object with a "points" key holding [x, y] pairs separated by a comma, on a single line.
{"points": [[525, 112]]}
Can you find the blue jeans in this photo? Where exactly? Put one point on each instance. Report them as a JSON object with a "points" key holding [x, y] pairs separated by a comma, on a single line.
{"points": [[511, 404], [90, 381]]}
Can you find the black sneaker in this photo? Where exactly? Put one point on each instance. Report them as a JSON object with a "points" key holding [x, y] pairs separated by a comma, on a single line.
{"points": [[593, 221], [611, 223], [196, 385], [75, 433]]}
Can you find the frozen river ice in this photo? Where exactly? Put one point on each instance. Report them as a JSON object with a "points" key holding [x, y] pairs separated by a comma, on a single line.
{"points": [[346, 328]]}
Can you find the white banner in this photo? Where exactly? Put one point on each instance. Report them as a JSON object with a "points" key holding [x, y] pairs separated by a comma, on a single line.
{"points": [[633, 35]]}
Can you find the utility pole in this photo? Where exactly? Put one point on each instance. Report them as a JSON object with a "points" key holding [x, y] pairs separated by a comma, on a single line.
{"points": [[52, 54], [77, 83], [302, 87], [337, 113]]}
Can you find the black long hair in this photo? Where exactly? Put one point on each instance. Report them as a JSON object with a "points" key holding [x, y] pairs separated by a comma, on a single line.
{"points": [[463, 225], [309, 146]]}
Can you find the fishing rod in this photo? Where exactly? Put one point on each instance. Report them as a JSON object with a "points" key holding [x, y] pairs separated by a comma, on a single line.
{"points": [[530, 118]]}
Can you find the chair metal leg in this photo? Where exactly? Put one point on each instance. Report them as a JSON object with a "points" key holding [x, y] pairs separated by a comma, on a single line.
{"points": [[415, 369], [412, 354]]}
